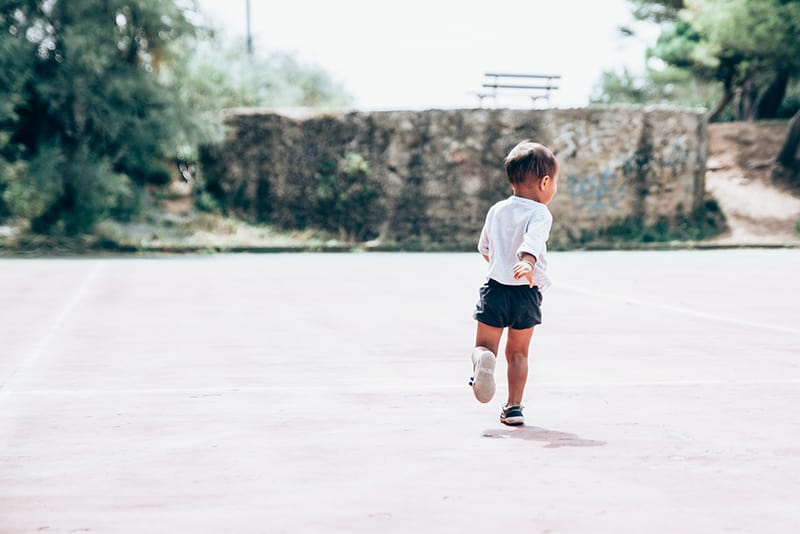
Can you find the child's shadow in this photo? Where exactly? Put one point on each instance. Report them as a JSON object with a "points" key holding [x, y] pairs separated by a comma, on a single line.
{"points": [[554, 438]]}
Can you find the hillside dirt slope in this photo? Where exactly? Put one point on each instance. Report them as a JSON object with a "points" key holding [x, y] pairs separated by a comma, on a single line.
{"points": [[758, 212]]}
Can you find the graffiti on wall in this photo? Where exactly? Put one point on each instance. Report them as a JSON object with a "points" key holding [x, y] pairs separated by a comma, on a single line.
{"points": [[675, 157], [598, 194]]}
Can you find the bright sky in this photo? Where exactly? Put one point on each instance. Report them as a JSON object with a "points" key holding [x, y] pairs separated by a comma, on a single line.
{"points": [[421, 54]]}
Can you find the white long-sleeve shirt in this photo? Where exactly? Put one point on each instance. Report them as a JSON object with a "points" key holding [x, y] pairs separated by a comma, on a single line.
{"points": [[513, 226]]}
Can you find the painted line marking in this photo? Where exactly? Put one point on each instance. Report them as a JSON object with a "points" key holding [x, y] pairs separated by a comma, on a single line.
{"points": [[30, 360], [410, 390], [681, 310]]}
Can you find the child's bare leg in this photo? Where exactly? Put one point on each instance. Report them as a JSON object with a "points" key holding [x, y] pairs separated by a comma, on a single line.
{"points": [[488, 337], [517, 346]]}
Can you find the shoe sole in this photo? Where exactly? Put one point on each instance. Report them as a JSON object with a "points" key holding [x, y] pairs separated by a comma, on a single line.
{"points": [[512, 421], [483, 385]]}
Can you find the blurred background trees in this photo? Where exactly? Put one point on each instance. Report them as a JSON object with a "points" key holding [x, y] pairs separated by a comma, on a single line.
{"points": [[219, 72], [90, 114], [738, 58], [100, 99]]}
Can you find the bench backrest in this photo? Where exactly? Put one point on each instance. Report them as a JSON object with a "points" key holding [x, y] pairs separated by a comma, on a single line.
{"points": [[515, 81]]}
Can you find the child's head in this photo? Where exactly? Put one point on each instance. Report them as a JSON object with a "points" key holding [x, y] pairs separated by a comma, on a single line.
{"points": [[529, 159], [532, 167]]}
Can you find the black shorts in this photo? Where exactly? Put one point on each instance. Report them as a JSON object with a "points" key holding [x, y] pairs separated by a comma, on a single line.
{"points": [[518, 307]]}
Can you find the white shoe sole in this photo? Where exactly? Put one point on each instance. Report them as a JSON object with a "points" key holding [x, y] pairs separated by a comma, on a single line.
{"points": [[483, 385], [512, 421]]}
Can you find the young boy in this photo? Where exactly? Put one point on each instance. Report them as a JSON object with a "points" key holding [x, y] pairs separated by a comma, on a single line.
{"points": [[513, 241]]}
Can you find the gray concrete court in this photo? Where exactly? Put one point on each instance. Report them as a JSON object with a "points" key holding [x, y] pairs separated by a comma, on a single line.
{"points": [[327, 393]]}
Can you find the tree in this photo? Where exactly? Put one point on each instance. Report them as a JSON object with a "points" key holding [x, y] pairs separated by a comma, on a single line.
{"points": [[788, 151], [667, 86], [755, 46], [750, 47], [787, 168], [621, 88], [657, 11], [99, 98], [222, 75], [87, 108], [662, 82]]}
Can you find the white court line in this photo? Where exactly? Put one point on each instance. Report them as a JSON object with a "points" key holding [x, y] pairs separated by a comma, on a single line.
{"points": [[669, 383], [411, 390], [36, 351], [681, 310]]}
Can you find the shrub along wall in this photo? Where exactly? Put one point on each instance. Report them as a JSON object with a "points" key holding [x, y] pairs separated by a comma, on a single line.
{"points": [[426, 178]]}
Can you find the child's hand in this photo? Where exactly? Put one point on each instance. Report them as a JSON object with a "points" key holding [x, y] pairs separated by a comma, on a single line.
{"points": [[524, 269]]}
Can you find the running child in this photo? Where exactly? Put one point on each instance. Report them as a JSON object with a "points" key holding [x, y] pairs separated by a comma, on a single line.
{"points": [[514, 243]]}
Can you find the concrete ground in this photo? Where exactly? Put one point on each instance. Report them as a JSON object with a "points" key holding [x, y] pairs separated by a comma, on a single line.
{"points": [[305, 393]]}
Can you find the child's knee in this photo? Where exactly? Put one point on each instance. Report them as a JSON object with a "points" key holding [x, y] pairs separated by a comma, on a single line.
{"points": [[516, 356]]}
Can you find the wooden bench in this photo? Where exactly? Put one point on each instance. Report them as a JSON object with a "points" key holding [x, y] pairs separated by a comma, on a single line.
{"points": [[497, 82]]}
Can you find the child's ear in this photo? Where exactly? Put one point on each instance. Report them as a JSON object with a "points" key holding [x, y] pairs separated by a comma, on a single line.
{"points": [[545, 181]]}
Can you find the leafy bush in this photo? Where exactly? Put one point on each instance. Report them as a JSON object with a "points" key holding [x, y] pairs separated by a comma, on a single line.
{"points": [[705, 222], [347, 198], [30, 188], [88, 108]]}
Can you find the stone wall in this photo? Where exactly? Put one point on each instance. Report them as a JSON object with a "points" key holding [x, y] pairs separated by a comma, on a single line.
{"points": [[436, 172]]}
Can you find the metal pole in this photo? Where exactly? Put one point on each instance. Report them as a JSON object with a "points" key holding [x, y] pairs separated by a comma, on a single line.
{"points": [[249, 34]]}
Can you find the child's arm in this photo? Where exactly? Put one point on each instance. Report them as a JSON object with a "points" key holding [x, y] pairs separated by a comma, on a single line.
{"points": [[536, 234], [524, 267], [483, 242]]}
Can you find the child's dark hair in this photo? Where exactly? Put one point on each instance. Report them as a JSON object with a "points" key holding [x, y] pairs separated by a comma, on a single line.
{"points": [[528, 158]]}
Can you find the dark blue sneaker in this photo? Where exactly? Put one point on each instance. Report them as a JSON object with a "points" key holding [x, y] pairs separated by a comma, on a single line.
{"points": [[512, 415]]}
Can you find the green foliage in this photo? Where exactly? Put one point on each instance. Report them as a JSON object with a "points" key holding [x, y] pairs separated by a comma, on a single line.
{"points": [[94, 190], [702, 224], [207, 203], [757, 34], [61, 195], [741, 52], [222, 75], [99, 99], [791, 102], [668, 86], [621, 88], [682, 47], [88, 106], [15, 71], [32, 187], [656, 11], [347, 199]]}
